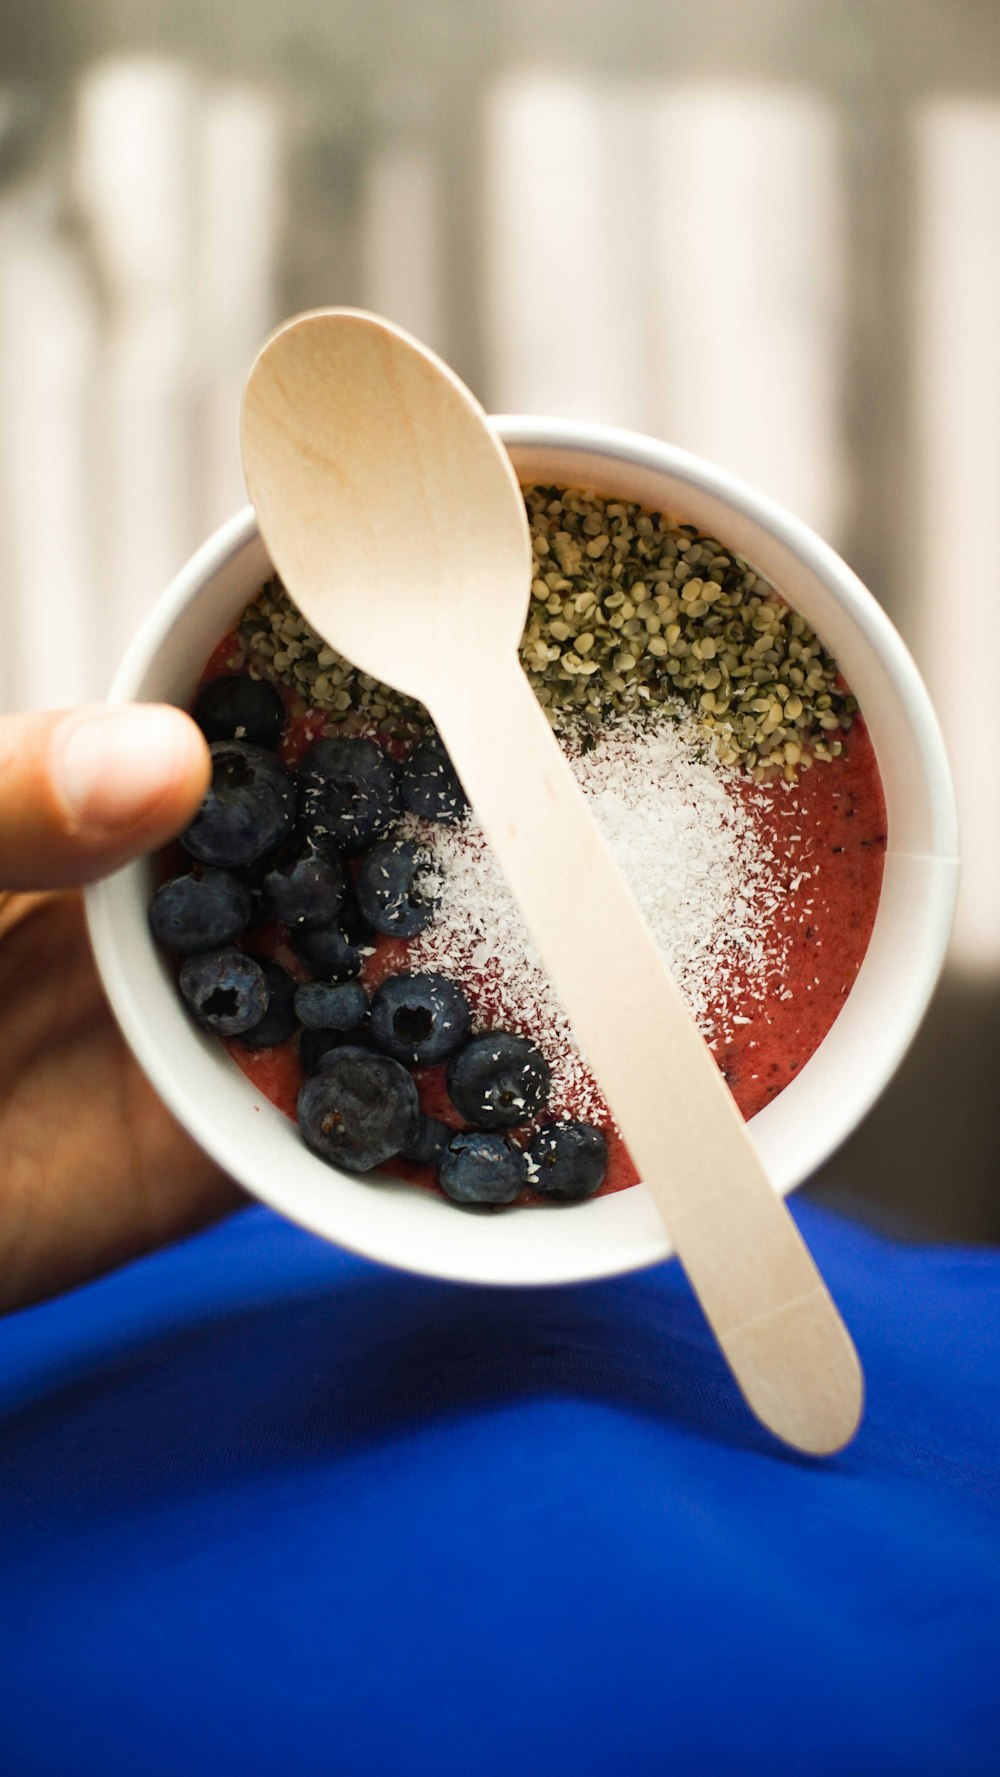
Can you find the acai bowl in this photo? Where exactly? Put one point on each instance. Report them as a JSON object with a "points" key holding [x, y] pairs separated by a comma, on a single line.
{"points": [[906, 858]]}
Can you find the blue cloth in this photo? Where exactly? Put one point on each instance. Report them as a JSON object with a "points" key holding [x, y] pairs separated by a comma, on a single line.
{"points": [[268, 1509]]}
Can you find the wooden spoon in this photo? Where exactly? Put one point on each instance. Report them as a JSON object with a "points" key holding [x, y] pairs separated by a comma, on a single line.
{"points": [[394, 518]]}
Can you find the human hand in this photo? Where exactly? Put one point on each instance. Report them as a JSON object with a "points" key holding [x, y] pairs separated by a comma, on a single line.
{"points": [[93, 1169]]}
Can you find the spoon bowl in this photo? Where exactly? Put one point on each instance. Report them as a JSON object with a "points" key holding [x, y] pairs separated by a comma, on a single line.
{"points": [[381, 490]]}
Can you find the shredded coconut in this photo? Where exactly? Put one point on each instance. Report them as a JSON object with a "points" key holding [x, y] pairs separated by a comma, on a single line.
{"points": [[681, 826]]}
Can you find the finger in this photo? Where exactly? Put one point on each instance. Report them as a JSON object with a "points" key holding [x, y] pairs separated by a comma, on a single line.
{"points": [[84, 790]]}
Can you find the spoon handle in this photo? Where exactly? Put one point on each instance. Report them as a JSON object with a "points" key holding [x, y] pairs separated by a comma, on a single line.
{"points": [[757, 1283]]}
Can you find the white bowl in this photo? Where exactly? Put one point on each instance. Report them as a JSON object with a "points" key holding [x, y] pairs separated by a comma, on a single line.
{"points": [[408, 1227]]}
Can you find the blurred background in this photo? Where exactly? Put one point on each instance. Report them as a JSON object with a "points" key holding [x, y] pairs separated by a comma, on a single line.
{"points": [[767, 232]]}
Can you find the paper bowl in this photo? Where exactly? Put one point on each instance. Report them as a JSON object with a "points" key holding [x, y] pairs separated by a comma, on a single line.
{"points": [[401, 1224]]}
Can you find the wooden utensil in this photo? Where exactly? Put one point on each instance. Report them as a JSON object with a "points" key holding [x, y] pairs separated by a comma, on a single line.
{"points": [[394, 518]]}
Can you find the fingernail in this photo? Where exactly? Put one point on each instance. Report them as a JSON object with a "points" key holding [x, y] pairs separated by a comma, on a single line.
{"points": [[113, 764]]}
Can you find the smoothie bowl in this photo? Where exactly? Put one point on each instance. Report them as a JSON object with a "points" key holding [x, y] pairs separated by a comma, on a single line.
{"points": [[764, 762]]}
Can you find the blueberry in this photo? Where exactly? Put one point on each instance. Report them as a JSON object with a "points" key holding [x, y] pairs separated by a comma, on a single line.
{"points": [[348, 794], [302, 889], [498, 1080], [240, 708], [429, 784], [337, 952], [352, 921], [252, 877], [200, 910], [322, 1006], [419, 1019], [568, 1160], [431, 1139], [225, 990], [477, 1168], [279, 1021], [315, 1046], [359, 1110], [395, 888], [249, 808]]}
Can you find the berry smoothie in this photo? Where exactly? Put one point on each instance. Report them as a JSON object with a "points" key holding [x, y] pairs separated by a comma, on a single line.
{"points": [[730, 771]]}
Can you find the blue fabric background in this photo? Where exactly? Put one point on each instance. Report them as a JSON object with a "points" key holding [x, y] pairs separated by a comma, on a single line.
{"points": [[270, 1509]]}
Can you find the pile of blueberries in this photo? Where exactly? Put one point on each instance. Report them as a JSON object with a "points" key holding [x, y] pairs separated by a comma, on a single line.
{"points": [[313, 848]]}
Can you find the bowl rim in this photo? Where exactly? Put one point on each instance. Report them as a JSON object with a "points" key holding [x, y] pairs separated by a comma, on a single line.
{"points": [[633, 451]]}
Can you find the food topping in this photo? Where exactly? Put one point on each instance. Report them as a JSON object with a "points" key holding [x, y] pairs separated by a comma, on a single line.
{"points": [[629, 611], [477, 1168], [359, 1110], [225, 991], [567, 1161], [396, 888], [248, 810], [499, 1080], [420, 1019]]}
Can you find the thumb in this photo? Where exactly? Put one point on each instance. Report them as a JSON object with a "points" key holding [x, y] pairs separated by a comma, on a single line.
{"points": [[82, 791]]}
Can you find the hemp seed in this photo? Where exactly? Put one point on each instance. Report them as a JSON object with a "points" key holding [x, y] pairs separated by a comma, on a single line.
{"points": [[628, 611]]}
